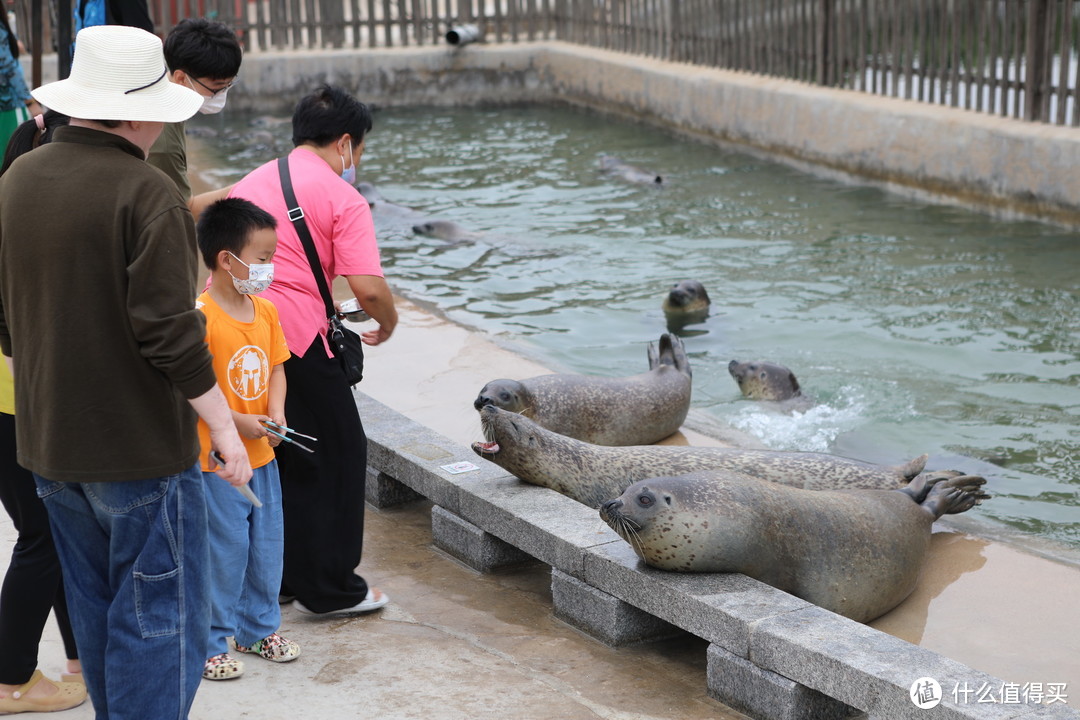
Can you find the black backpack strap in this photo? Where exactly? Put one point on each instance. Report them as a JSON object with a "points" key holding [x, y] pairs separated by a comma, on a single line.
{"points": [[296, 215]]}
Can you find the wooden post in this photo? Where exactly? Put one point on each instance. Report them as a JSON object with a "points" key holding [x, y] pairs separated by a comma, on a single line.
{"points": [[824, 23], [64, 37], [1036, 51], [37, 37]]}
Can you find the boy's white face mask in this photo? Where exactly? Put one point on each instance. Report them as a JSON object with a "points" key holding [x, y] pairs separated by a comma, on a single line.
{"points": [[260, 275]]}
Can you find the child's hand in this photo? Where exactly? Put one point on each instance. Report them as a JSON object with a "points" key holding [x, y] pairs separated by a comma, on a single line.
{"points": [[278, 418], [251, 427]]}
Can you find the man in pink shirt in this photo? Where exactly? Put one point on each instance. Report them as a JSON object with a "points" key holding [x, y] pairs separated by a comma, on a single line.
{"points": [[323, 492]]}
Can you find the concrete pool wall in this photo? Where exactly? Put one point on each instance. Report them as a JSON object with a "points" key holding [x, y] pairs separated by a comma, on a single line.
{"points": [[1000, 165]]}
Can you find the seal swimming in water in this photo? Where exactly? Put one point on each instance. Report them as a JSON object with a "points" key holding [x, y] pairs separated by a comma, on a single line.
{"points": [[386, 211], [764, 380], [446, 230], [635, 410], [854, 552], [687, 297], [592, 474], [625, 171], [400, 217], [685, 304]]}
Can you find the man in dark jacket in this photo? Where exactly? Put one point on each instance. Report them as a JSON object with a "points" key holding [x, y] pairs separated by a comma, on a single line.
{"points": [[97, 313]]}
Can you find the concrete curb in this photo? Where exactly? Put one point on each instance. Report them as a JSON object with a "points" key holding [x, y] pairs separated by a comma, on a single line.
{"points": [[772, 655]]}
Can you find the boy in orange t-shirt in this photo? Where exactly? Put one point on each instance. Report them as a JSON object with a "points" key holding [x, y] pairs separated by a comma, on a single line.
{"points": [[237, 240]]}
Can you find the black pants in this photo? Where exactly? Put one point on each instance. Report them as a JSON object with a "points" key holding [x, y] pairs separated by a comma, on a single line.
{"points": [[33, 584], [322, 492]]}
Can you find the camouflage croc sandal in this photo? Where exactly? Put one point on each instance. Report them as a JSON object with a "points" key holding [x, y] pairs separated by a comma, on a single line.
{"points": [[222, 667], [274, 648]]}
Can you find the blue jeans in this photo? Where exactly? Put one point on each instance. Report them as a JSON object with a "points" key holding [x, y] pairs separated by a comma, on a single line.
{"points": [[135, 557], [245, 559]]}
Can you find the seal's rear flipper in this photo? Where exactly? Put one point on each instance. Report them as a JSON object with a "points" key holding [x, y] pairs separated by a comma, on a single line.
{"points": [[671, 353], [955, 495], [910, 470]]}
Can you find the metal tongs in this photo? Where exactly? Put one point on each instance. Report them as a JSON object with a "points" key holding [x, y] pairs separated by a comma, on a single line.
{"points": [[243, 489], [282, 430]]}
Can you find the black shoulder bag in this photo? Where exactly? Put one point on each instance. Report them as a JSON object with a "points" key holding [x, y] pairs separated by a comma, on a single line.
{"points": [[344, 343]]}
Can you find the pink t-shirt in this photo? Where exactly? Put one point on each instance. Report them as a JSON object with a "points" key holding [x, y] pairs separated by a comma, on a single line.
{"points": [[339, 220]]}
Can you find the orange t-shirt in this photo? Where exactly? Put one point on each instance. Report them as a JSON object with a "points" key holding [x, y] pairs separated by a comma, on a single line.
{"points": [[244, 353]]}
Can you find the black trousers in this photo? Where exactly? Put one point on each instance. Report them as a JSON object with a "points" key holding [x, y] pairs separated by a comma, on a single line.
{"points": [[33, 583], [322, 492]]}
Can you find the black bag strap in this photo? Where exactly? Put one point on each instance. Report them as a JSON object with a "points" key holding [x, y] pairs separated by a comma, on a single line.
{"points": [[296, 215]]}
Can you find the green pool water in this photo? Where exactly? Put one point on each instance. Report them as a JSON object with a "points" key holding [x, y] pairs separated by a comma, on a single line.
{"points": [[915, 327]]}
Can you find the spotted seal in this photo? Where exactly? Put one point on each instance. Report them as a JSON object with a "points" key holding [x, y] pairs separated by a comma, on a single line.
{"points": [[630, 173], [762, 380], [635, 410], [687, 297], [446, 230], [592, 474], [855, 552]]}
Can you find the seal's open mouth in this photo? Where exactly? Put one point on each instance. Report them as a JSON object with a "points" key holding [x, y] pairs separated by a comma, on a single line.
{"points": [[485, 448]]}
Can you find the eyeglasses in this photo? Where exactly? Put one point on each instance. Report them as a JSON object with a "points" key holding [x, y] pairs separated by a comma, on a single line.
{"points": [[211, 90]]}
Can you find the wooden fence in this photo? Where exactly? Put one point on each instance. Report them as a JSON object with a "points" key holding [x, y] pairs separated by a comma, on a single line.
{"points": [[1015, 58]]}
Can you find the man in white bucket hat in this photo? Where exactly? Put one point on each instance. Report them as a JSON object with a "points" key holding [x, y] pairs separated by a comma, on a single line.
{"points": [[97, 309]]}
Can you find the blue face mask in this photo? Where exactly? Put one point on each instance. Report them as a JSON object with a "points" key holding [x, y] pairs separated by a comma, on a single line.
{"points": [[348, 174]]}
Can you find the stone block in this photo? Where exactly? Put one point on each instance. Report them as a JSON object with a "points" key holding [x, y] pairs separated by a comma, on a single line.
{"points": [[415, 455], [866, 668], [479, 550], [604, 617], [549, 526], [718, 607], [763, 694], [383, 491]]}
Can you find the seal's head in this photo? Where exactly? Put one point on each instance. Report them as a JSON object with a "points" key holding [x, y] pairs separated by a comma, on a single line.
{"points": [[514, 441], [506, 394], [370, 193], [687, 296], [687, 523], [764, 380], [447, 230], [632, 512]]}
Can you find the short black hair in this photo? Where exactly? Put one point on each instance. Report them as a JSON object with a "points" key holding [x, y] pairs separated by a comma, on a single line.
{"points": [[203, 49], [328, 113], [227, 225]]}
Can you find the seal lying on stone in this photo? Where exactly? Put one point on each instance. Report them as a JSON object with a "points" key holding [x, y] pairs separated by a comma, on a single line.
{"points": [[764, 380], [592, 474], [635, 410], [625, 171], [855, 552]]}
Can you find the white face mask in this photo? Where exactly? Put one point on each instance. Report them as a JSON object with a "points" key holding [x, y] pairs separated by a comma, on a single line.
{"points": [[260, 275], [213, 104]]}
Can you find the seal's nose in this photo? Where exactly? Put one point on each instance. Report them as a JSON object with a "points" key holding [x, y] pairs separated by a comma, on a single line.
{"points": [[610, 507], [481, 401]]}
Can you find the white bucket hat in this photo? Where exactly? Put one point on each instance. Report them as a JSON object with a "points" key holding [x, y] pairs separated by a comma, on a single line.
{"points": [[119, 73]]}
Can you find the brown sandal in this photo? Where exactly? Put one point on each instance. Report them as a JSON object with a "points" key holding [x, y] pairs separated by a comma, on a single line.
{"points": [[67, 695]]}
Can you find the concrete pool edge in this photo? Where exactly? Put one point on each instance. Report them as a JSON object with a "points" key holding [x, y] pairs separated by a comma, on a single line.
{"points": [[998, 165]]}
